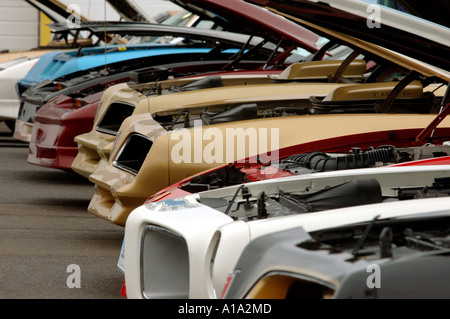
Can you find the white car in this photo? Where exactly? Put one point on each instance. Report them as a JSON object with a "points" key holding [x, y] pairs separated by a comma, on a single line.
{"points": [[402, 253], [10, 73], [186, 247]]}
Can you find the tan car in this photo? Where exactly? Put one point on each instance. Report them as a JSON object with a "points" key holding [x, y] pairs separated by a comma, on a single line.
{"points": [[122, 100], [145, 159]]}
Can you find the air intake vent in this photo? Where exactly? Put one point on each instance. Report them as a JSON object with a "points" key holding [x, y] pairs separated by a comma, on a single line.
{"points": [[133, 153], [113, 117]]}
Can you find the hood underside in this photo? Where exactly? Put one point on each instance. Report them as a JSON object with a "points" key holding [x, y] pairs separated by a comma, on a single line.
{"points": [[394, 30], [435, 11]]}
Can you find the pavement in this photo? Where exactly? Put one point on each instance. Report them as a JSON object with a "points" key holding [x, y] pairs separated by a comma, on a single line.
{"points": [[51, 247]]}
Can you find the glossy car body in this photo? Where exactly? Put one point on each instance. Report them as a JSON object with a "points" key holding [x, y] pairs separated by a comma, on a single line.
{"points": [[257, 21], [96, 142], [218, 89], [86, 159], [63, 38], [305, 159], [16, 65], [118, 188], [48, 123], [400, 32], [402, 257], [10, 73], [63, 118], [209, 233], [176, 213], [120, 58], [56, 64]]}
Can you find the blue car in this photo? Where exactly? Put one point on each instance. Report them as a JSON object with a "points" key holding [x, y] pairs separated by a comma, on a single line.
{"points": [[215, 48], [57, 64]]}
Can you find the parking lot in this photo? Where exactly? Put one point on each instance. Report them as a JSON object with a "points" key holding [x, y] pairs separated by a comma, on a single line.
{"points": [[45, 227]]}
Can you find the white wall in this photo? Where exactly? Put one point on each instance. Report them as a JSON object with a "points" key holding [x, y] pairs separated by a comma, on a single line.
{"points": [[19, 21], [153, 7], [95, 9], [19, 26]]}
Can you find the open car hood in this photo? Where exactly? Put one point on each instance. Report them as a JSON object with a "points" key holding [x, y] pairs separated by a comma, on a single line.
{"points": [[99, 28], [436, 10], [129, 10], [389, 28], [57, 11], [238, 16], [232, 15]]}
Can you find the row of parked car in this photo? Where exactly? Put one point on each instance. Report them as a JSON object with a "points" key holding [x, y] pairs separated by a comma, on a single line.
{"points": [[277, 150]]}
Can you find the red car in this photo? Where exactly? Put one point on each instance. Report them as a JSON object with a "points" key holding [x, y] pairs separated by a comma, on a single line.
{"points": [[56, 125], [61, 119], [409, 147]]}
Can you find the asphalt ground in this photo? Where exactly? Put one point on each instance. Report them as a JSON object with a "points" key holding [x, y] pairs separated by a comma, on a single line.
{"points": [[45, 228]]}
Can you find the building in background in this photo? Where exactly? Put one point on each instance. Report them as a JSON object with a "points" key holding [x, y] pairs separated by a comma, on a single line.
{"points": [[23, 27], [19, 26]]}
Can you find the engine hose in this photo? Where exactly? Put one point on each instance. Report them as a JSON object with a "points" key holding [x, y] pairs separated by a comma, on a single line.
{"points": [[321, 162]]}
